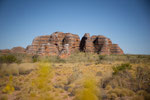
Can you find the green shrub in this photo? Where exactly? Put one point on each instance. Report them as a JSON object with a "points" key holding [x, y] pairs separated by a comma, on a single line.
{"points": [[60, 60], [121, 67], [100, 58], [35, 58], [53, 59], [8, 59]]}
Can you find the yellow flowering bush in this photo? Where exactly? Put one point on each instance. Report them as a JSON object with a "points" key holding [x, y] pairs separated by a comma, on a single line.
{"points": [[9, 87]]}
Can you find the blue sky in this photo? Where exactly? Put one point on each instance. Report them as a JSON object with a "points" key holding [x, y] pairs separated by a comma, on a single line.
{"points": [[125, 22]]}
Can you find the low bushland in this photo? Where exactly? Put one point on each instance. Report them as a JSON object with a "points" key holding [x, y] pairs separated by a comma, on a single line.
{"points": [[80, 76], [9, 88], [126, 82], [16, 69], [15, 58], [75, 58], [88, 90], [121, 67], [41, 84], [8, 59]]}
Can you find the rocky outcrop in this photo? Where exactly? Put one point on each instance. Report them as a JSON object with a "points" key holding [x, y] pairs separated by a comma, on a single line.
{"points": [[102, 44], [86, 43], [13, 50], [99, 44], [63, 44], [5, 51], [17, 50], [58, 43], [115, 49]]}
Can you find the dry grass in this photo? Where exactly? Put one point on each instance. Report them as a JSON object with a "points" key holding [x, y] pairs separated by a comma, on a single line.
{"points": [[78, 77], [16, 69]]}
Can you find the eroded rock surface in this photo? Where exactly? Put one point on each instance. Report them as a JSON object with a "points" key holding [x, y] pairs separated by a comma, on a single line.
{"points": [[58, 43], [99, 44], [63, 44]]}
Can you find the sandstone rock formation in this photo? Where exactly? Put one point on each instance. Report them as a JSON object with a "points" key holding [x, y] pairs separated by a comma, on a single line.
{"points": [[5, 51], [13, 50], [58, 43], [17, 50], [86, 43], [99, 44], [63, 44], [115, 49]]}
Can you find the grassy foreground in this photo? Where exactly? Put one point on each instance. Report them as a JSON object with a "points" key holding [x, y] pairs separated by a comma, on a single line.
{"points": [[81, 76]]}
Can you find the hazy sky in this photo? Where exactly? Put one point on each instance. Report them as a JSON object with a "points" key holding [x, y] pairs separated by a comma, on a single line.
{"points": [[125, 22]]}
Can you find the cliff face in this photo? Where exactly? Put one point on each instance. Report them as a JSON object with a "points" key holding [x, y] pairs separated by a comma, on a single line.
{"points": [[99, 44], [60, 43], [56, 44]]}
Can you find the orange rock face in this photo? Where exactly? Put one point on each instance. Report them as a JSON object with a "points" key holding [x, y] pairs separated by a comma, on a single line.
{"points": [[58, 43], [86, 43], [99, 44], [64, 44], [115, 49]]}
